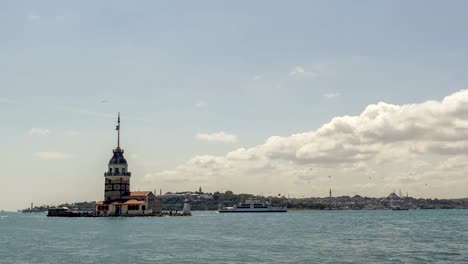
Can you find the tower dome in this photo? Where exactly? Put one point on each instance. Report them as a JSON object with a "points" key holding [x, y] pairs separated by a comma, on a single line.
{"points": [[118, 157]]}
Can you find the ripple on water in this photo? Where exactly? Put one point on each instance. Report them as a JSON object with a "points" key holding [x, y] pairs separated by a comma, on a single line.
{"points": [[419, 236]]}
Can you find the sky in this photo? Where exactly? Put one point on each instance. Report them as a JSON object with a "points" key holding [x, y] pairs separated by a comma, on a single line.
{"points": [[272, 97]]}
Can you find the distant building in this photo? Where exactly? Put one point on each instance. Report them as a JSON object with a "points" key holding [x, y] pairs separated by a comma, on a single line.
{"points": [[393, 196], [118, 199]]}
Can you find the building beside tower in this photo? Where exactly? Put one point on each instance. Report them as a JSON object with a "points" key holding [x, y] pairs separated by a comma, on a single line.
{"points": [[119, 200]]}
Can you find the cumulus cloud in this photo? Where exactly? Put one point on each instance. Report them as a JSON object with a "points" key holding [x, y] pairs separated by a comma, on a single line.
{"points": [[331, 95], [296, 71], [380, 144], [217, 137], [310, 70], [200, 104], [52, 155], [39, 132]]}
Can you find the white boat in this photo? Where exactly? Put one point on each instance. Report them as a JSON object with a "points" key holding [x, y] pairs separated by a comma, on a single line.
{"points": [[253, 206]]}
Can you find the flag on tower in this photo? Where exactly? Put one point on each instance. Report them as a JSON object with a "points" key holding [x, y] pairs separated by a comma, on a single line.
{"points": [[118, 123]]}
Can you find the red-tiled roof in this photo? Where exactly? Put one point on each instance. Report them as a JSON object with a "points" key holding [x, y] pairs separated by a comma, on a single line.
{"points": [[132, 202], [139, 194], [124, 202], [101, 203]]}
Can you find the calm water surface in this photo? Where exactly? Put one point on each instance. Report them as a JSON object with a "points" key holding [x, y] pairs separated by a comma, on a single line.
{"points": [[418, 236]]}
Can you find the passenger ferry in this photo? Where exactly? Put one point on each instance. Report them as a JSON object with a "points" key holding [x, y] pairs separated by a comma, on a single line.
{"points": [[253, 206], [65, 212]]}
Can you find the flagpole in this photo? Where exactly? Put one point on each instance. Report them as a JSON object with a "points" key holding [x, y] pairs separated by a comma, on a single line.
{"points": [[118, 131]]}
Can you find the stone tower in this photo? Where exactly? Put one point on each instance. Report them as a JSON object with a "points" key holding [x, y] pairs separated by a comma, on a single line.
{"points": [[186, 208], [117, 177]]}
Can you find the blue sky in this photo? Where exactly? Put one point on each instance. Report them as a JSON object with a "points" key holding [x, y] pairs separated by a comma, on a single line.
{"points": [[253, 69]]}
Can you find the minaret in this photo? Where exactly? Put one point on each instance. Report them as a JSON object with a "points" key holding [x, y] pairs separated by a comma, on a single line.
{"points": [[117, 177], [330, 193]]}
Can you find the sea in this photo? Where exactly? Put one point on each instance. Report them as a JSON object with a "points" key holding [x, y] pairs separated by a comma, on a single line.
{"points": [[414, 236]]}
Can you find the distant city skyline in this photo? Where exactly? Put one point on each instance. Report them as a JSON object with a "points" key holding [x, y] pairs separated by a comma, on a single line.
{"points": [[257, 97]]}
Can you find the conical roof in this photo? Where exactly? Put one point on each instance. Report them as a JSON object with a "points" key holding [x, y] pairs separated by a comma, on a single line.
{"points": [[118, 157]]}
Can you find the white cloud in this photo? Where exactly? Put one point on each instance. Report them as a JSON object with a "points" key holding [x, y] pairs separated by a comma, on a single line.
{"points": [[311, 71], [39, 132], [257, 77], [296, 71], [200, 104], [52, 155], [217, 137], [331, 95], [378, 146], [34, 17]]}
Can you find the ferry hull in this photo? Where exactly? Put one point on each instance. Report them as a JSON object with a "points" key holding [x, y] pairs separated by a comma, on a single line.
{"points": [[254, 211]]}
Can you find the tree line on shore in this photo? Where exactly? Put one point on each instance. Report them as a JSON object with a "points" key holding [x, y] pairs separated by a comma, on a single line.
{"points": [[217, 200]]}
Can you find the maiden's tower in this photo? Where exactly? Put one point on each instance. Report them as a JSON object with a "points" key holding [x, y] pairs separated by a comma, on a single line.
{"points": [[119, 200]]}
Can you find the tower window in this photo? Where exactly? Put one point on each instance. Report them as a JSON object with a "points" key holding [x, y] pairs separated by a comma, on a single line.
{"points": [[117, 170]]}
